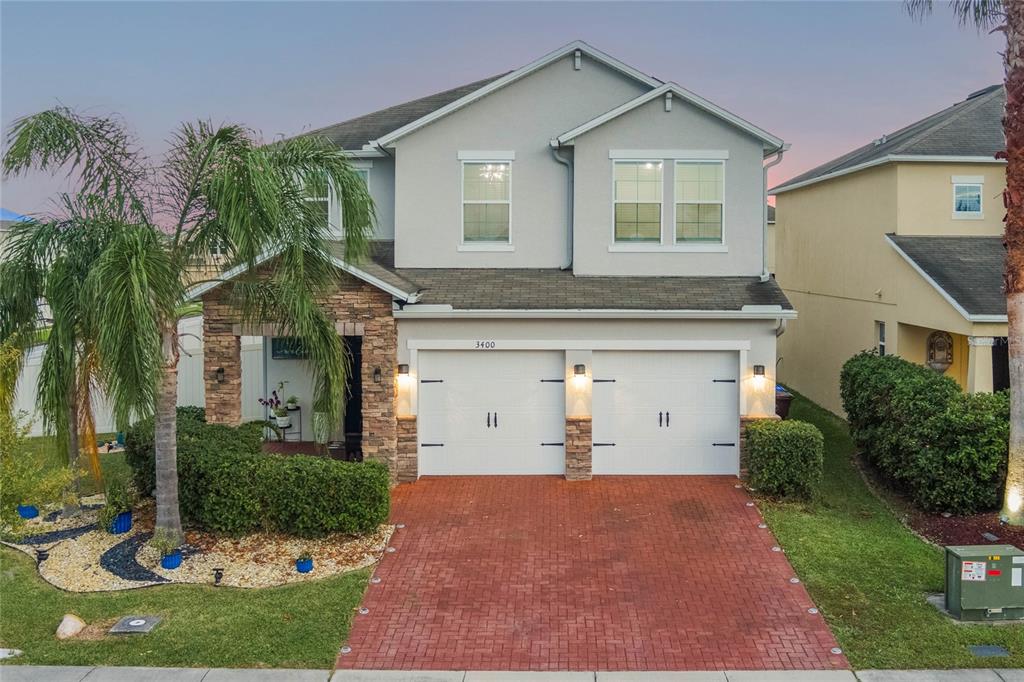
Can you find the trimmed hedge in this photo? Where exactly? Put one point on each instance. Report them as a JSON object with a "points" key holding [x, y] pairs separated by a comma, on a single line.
{"points": [[785, 457], [946, 449], [227, 484]]}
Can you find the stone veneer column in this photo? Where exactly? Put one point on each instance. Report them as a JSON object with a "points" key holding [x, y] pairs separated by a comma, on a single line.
{"points": [[365, 306], [221, 349], [744, 421], [579, 449], [407, 465]]}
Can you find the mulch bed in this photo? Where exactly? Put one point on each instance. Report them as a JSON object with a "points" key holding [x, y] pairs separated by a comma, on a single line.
{"points": [[941, 528]]}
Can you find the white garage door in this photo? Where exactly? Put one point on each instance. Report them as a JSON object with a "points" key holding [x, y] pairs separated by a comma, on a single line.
{"points": [[666, 412], [491, 412]]}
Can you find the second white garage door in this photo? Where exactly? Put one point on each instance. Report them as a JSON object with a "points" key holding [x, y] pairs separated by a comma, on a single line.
{"points": [[491, 412], [658, 412]]}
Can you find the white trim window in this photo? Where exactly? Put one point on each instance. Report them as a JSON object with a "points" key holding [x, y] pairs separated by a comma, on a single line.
{"points": [[967, 197], [880, 337], [637, 199], [486, 202], [699, 202]]}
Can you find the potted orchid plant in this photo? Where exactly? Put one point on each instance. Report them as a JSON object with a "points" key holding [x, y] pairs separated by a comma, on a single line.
{"points": [[274, 404]]}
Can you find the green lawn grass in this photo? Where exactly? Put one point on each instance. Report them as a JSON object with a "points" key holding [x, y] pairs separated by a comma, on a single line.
{"points": [[113, 464], [296, 626], [869, 575]]}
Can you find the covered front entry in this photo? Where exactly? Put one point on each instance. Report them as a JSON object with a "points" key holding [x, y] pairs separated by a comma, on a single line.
{"points": [[493, 412], [666, 412]]}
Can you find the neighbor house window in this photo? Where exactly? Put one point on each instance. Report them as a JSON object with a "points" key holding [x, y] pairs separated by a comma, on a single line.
{"points": [[637, 201], [880, 337], [967, 196], [699, 191], [486, 201]]}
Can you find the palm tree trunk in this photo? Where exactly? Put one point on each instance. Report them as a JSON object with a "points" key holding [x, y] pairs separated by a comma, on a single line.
{"points": [[168, 516], [1013, 197], [71, 500]]}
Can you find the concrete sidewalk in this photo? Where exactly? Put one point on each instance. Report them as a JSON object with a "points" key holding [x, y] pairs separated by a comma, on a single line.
{"points": [[28, 673]]}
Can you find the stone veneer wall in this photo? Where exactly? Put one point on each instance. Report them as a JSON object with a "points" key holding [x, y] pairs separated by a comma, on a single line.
{"points": [[354, 305], [744, 421], [579, 449], [407, 466]]}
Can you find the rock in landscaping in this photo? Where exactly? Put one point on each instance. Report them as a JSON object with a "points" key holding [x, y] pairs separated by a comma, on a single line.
{"points": [[70, 626]]}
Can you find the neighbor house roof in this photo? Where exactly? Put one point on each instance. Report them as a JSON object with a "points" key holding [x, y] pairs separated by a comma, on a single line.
{"points": [[556, 289], [356, 132], [966, 271], [770, 141], [970, 130]]}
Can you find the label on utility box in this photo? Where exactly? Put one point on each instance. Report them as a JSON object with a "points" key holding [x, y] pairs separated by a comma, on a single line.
{"points": [[972, 571]]}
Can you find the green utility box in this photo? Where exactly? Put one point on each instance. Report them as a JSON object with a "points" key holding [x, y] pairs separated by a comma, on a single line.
{"points": [[985, 582]]}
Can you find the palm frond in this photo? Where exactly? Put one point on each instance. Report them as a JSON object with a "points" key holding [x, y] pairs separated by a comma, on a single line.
{"points": [[982, 14], [99, 150]]}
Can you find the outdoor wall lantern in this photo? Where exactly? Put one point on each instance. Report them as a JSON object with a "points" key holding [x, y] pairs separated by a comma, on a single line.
{"points": [[939, 354], [220, 375], [579, 375], [376, 375], [759, 377]]}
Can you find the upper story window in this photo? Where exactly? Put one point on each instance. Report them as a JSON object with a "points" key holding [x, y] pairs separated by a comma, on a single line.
{"points": [[637, 199], [326, 204], [486, 201], [967, 191], [699, 201]]}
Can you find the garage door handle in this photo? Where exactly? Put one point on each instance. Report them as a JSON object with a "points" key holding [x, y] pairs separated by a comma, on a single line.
{"points": [[488, 420], [553, 444], [604, 445], [723, 381], [431, 445], [495, 420], [724, 445], [659, 419], [667, 415]]}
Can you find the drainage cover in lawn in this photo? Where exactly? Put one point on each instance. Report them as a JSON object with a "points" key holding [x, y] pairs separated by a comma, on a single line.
{"points": [[988, 650], [131, 625]]}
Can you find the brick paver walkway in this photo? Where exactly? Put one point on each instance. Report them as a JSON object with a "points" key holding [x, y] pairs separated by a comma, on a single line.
{"points": [[618, 573]]}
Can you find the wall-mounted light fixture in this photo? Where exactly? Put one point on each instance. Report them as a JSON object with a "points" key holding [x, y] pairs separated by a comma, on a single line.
{"points": [[376, 375], [579, 375], [403, 369], [220, 375], [759, 377]]}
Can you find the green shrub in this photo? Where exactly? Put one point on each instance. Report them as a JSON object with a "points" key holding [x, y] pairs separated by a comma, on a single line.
{"points": [[946, 449], [227, 484], [25, 477], [120, 497], [785, 457]]}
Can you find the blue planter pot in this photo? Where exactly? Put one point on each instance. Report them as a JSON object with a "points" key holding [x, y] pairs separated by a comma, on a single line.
{"points": [[28, 511], [122, 523], [171, 561], [303, 565]]}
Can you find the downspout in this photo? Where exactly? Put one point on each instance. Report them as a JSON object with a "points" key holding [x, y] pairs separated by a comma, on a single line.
{"points": [[765, 275], [568, 164]]}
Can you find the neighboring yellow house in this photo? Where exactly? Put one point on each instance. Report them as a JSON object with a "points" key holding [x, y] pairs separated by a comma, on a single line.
{"points": [[897, 246]]}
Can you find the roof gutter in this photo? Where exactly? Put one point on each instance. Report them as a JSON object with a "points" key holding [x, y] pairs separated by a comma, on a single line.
{"points": [[565, 161], [765, 275], [442, 311]]}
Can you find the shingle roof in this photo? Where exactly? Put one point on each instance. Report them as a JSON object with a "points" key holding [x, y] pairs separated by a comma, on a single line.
{"points": [[972, 127], [555, 289], [355, 132], [968, 269]]}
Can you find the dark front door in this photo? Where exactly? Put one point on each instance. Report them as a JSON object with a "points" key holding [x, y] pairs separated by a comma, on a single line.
{"points": [[1000, 365], [354, 399]]}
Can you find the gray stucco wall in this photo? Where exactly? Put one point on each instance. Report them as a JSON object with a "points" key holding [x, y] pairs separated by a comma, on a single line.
{"points": [[522, 117], [650, 127], [382, 190]]}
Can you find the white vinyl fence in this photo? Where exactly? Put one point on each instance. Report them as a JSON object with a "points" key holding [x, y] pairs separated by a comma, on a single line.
{"points": [[191, 389]]}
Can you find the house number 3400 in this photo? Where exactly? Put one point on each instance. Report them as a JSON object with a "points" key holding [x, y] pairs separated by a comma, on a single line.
{"points": [[485, 345]]}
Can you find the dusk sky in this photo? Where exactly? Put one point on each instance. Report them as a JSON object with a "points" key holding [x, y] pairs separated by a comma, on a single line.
{"points": [[824, 76]]}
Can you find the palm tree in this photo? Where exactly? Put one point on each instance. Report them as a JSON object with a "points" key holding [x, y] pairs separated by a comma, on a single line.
{"points": [[49, 262], [216, 189], [1008, 18]]}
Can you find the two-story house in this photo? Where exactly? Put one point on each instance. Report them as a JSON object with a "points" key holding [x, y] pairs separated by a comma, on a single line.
{"points": [[897, 246], [569, 278]]}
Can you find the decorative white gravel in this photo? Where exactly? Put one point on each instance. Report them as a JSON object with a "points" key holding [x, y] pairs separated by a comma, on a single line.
{"points": [[256, 560]]}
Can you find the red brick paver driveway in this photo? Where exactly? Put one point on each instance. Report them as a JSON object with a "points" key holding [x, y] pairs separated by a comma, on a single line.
{"points": [[618, 573]]}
